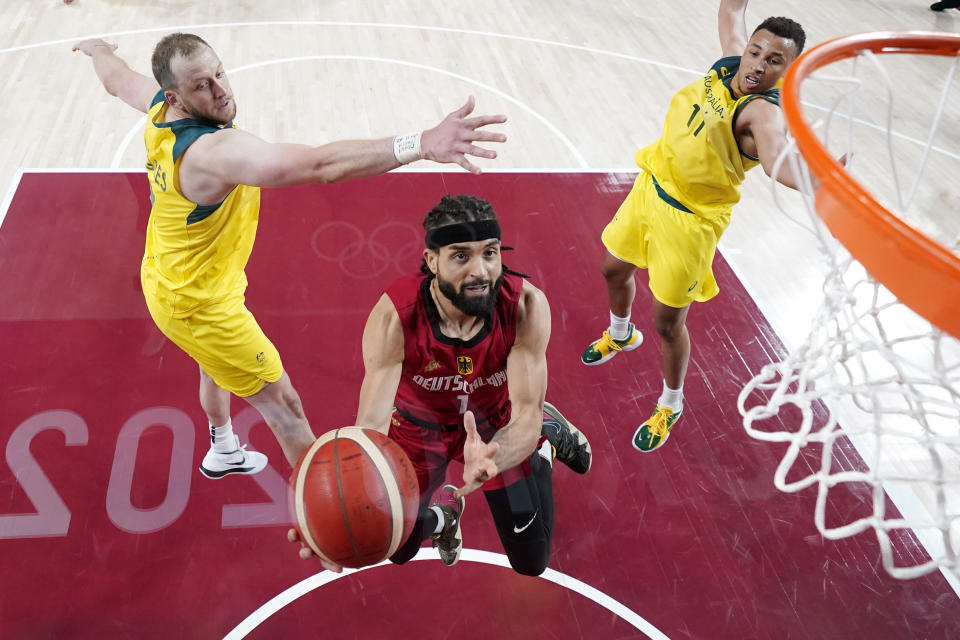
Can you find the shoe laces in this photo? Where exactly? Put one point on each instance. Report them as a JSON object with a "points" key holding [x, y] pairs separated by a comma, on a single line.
{"points": [[659, 421], [607, 342]]}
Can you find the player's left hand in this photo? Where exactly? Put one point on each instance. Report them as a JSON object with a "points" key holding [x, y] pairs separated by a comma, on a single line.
{"points": [[306, 553], [92, 45], [478, 463], [453, 139]]}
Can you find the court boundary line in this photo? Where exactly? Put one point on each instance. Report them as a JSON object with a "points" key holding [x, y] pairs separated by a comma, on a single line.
{"points": [[11, 191], [317, 580]]}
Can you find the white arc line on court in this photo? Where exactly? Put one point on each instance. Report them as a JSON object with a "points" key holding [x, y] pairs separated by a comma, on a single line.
{"points": [[370, 25], [554, 130], [378, 25], [317, 580]]}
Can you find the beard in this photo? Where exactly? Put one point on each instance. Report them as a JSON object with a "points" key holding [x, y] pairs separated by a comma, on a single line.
{"points": [[212, 117], [479, 306]]}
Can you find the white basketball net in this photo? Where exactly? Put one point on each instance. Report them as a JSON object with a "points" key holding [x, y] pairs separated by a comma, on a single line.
{"points": [[872, 375]]}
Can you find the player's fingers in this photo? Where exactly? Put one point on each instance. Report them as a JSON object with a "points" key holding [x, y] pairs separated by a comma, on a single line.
{"points": [[469, 166], [292, 535], [480, 152], [465, 490], [481, 121], [306, 554], [465, 110], [487, 136]]}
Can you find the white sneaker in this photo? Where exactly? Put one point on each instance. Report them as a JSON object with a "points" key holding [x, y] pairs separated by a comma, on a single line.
{"points": [[216, 465]]}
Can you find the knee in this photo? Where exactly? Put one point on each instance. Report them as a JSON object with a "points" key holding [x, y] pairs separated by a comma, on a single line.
{"points": [[291, 401], [529, 558], [616, 274], [669, 329], [532, 567]]}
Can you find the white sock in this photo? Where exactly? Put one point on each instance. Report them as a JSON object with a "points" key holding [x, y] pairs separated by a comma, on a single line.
{"points": [[222, 438], [546, 450], [619, 327], [672, 398], [439, 513]]}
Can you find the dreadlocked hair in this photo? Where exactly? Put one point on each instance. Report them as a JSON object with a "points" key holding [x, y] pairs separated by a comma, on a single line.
{"points": [[455, 209]]}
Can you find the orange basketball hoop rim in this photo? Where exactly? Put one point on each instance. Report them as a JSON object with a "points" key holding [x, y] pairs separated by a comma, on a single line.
{"points": [[923, 274]]}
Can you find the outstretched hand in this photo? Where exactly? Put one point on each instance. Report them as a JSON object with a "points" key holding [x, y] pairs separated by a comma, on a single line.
{"points": [[306, 552], [91, 45], [452, 140], [478, 464]]}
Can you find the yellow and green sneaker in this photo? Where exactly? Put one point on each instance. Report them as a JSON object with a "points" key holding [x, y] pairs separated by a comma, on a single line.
{"points": [[654, 432], [606, 347]]}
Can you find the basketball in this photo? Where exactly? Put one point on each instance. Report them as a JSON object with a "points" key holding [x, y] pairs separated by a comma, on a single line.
{"points": [[355, 496]]}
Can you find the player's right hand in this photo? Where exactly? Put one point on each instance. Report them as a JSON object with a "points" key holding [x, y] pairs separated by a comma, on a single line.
{"points": [[306, 552], [91, 45], [478, 458]]}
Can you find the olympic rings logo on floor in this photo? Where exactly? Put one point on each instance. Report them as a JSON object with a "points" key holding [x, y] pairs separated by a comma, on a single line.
{"points": [[369, 254]]}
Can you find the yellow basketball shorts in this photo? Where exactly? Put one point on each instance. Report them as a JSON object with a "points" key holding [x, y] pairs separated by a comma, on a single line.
{"points": [[226, 341], [676, 247]]}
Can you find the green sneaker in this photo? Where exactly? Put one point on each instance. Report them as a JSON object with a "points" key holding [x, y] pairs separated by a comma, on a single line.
{"points": [[654, 432], [606, 347]]}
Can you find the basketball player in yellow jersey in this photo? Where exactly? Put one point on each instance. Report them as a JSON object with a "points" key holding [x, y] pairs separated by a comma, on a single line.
{"points": [[716, 129], [205, 176]]}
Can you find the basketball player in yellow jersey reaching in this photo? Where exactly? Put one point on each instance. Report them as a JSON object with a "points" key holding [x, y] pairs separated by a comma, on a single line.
{"points": [[716, 129], [205, 178]]}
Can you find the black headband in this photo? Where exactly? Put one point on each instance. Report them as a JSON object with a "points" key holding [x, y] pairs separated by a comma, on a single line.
{"points": [[462, 232]]}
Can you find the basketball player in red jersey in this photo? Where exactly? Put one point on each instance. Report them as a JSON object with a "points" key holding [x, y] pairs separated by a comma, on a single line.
{"points": [[456, 369]]}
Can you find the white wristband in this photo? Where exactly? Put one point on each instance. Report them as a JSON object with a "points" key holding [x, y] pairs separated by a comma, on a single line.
{"points": [[406, 148]]}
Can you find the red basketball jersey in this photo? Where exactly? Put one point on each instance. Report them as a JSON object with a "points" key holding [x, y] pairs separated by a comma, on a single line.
{"points": [[444, 377]]}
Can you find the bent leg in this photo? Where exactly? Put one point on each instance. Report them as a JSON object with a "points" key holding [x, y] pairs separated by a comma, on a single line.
{"points": [[523, 514], [427, 452], [279, 404]]}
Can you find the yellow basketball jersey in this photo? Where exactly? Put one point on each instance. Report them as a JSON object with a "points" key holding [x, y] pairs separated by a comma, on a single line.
{"points": [[697, 163], [194, 253]]}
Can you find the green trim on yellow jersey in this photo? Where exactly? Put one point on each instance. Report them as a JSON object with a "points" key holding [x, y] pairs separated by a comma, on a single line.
{"points": [[203, 211], [194, 254], [697, 162], [771, 96], [666, 197]]}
